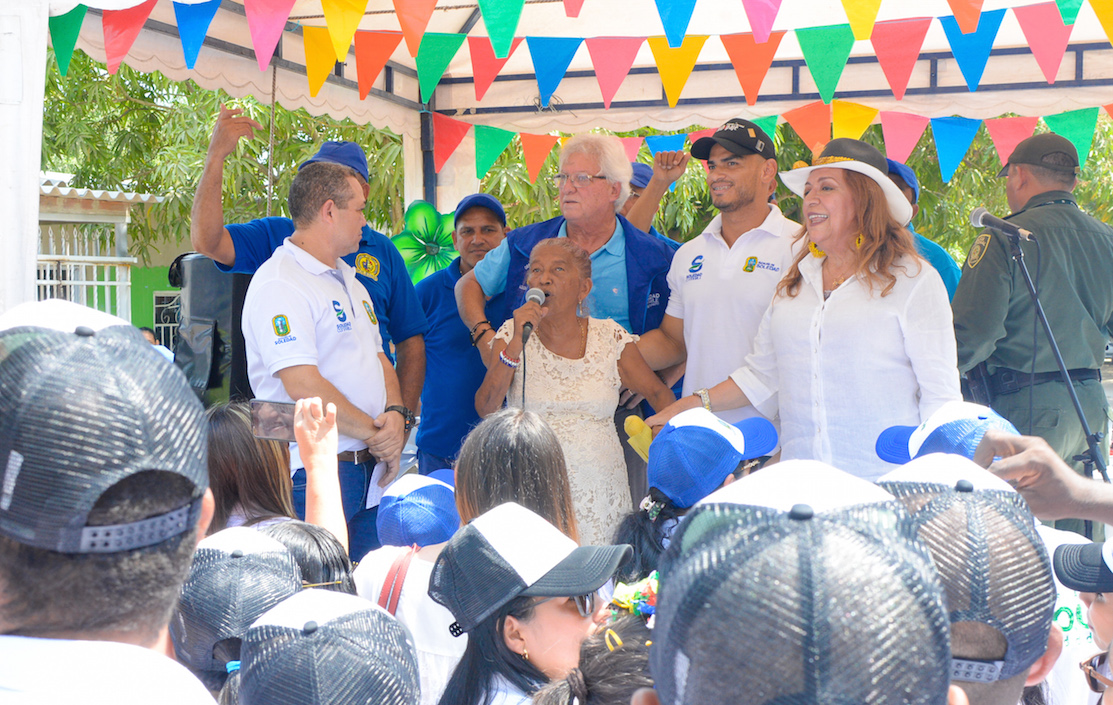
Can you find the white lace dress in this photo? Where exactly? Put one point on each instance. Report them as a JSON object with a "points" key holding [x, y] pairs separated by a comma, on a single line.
{"points": [[578, 399]]}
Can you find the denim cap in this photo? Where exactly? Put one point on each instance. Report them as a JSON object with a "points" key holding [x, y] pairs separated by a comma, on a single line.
{"points": [[906, 175], [480, 200], [347, 154], [417, 509], [642, 174], [957, 427]]}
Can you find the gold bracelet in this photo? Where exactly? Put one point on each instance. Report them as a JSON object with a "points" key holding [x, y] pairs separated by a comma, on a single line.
{"points": [[704, 397]]}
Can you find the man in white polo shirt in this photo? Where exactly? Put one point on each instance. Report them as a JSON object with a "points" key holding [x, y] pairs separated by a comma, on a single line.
{"points": [[722, 281], [311, 331]]}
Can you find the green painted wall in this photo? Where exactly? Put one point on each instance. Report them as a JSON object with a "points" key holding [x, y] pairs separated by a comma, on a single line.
{"points": [[145, 281]]}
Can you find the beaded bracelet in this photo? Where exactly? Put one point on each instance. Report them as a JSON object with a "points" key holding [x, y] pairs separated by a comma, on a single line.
{"points": [[479, 336], [512, 364]]}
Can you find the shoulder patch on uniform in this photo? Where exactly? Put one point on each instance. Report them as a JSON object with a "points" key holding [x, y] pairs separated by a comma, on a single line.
{"points": [[367, 265], [977, 250]]}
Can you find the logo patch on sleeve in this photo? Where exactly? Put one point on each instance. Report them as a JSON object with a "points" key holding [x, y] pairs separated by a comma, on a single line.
{"points": [[370, 312], [367, 265], [977, 250], [281, 325]]}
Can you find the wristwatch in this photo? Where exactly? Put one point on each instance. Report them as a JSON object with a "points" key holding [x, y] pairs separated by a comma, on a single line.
{"points": [[407, 415], [704, 397]]}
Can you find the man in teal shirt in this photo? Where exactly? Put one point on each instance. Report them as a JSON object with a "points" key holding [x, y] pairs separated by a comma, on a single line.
{"points": [[905, 179]]}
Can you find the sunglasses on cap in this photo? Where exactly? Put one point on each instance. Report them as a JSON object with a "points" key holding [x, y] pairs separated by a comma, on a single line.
{"points": [[1097, 682], [585, 604]]}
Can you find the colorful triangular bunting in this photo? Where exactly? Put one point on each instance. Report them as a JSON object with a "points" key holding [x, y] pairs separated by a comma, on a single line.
{"points": [[751, 60], [1077, 126], [675, 15], [490, 142], [342, 18], [266, 19], [1068, 10], [121, 27], [901, 132], [320, 56], [812, 122], [63, 35], [761, 14], [193, 24], [373, 50], [675, 64], [612, 58], [1007, 133], [971, 51], [953, 137], [413, 17], [632, 145], [536, 149], [826, 50], [447, 136], [861, 14], [434, 56], [485, 66], [551, 57], [665, 143], [967, 13], [501, 19], [572, 7], [897, 44], [1046, 34], [850, 119], [768, 124], [1104, 11]]}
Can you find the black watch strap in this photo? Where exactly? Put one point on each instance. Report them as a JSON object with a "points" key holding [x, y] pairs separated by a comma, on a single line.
{"points": [[407, 415]]}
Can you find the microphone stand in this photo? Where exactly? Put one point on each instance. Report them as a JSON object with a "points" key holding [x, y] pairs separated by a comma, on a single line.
{"points": [[1091, 457]]}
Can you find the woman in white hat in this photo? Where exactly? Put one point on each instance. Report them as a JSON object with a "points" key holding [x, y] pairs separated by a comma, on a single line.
{"points": [[859, 332]]}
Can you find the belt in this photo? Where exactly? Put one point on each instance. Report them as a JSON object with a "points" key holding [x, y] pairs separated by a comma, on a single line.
{"points": [[1006, 381], [359, 457]]}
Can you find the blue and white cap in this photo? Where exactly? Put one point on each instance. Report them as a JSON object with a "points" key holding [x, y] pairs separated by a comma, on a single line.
{"points": [[417, 509], [957, 427]]}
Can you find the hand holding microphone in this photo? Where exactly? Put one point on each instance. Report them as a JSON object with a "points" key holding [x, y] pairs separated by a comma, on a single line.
{"points": [[535, 296], [981, 218]]}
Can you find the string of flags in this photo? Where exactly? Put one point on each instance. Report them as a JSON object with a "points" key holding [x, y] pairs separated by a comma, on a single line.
{"points": [[896, 43], [816, 123]]}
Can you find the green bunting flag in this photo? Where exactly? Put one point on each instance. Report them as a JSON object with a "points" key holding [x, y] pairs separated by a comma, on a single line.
{"points": [[768, 124], [826, 50], [63, 35], [501, 19], [490, 142], [433, 57], [1077, 126], [1069, 10]]}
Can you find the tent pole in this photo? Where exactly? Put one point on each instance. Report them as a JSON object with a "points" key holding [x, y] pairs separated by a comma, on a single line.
{"points": [[428, 170]]}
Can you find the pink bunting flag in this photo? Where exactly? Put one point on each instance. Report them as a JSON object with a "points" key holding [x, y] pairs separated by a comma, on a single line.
{"points": [[632, 145], [1047, 35], [897, 45], [447, 136], [266, 19], [485, 66], [121, 27], [694, 136], [612, 58], [901, 132], [572, 7], [1007, 133], [761, 14]]}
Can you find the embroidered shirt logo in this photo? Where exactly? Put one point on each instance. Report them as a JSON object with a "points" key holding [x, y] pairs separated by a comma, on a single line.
{"points": [[281, 325], [340, 315], [694, 268], [367, 265], [751, 263], [370, 312]]}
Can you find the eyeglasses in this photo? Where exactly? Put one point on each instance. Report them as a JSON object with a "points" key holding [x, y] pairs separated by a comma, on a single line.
{"points": [[577, 180], [585, 604], [1097, 682]]}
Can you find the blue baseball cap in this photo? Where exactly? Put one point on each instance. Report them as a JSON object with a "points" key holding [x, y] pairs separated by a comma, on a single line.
{"points": [[696, 450], [642, 174], [957, 427], [906, 175], [479, 200], [417, 509], [343, 153], [445, 475]]}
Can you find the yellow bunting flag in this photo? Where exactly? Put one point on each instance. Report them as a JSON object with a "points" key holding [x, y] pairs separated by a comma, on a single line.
{"points": [[850, 119], [1104, 11], [342, 18], [320, 57], [861, 14], [675, 64]]}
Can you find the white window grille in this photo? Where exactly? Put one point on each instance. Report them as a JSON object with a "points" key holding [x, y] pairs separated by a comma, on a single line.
{"points": [[168, 311], [81, 262]]}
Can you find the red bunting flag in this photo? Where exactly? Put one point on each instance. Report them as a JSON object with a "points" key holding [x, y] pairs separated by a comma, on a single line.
{"points": [[632, 145], [121, 27], [413, 17], [901, 132], [612, 58], [751, 60], [536, 149], [897, 45], [813, 123], [1046, 34], [1007, 133], [447, 136], [967, 13], [373, 50], [485, 66]]}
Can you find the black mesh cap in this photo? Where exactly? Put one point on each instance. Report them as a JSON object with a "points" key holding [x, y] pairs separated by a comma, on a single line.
{"points": [[991, 561], [801, 606], [237, 575], [85, 402], [327, 648]]}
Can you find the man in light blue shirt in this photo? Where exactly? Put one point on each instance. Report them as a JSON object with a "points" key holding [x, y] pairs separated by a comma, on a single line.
{"points": [[905, 179]]}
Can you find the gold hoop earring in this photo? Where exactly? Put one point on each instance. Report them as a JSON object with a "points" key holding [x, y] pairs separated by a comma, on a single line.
{"points": [[525, 654]]}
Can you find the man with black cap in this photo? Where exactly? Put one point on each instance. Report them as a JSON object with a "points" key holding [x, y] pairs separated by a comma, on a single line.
{"points": [[455, 368], [722, 281], [242, 247], [1070, 261], [103, 496]]}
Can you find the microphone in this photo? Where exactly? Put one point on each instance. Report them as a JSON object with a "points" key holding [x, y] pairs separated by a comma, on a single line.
{"points": [[537, 296], [980, 218]]}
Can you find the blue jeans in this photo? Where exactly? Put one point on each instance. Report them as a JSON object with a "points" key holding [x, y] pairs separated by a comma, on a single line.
{"points": [[363, 535], [427, 462]]}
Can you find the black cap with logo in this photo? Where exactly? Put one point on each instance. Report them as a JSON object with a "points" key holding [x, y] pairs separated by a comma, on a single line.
{"points": [[737, 136]]}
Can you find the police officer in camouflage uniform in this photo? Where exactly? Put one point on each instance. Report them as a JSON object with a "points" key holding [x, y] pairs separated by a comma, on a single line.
{"points": [[1071, 263]]}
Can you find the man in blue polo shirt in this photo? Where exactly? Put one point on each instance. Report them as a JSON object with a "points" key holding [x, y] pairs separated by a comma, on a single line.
{"points": [[454, 370], [905, 179], [242, 248]]}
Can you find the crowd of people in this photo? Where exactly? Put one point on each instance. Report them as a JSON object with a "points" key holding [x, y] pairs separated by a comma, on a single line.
{"points": [[817, 518]]}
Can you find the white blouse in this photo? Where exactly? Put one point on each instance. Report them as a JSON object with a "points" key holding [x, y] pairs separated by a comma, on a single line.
{"points": [[840, 371]]}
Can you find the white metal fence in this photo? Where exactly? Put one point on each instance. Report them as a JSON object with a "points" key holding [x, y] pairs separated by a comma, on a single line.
{"points": [[81, 262]]}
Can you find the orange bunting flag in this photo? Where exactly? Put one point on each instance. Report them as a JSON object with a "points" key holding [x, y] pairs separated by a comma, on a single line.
{"points": [[632, 145], [121, 27], [342, 18], [373, 50], [675, 64], [901, 132], [536, 149], [861, 14], [751, 60], [897, 44], [1007, 133], [967, 13], [320, 58], [612, 58], [485, 66], [812, 123], [447, 136], [1046, 34], [413, 17], [850, 119], [1109, 109], [266, 19]]}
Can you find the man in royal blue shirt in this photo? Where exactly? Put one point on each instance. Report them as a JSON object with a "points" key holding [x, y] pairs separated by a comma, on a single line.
{"points": [[905, 179], [454, 369], [242, 248]]}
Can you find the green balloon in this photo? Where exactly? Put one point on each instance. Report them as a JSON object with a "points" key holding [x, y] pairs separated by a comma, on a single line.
{"points": [[426, 243]]}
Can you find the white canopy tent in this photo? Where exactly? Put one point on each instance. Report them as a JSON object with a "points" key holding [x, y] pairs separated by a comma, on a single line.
{"points": [[1012, 81]]}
